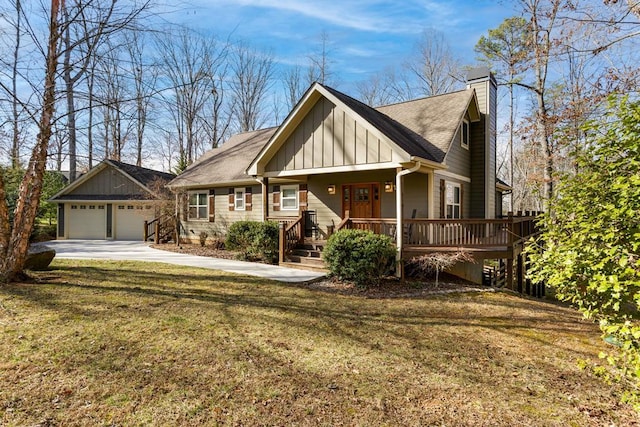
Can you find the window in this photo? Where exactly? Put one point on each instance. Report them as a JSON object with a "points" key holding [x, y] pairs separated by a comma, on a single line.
{"points": [[121, 207], [198, 206], [452, 200], [289, 198], [92, 207], [238, 199], [74, 206], [464, 134]]}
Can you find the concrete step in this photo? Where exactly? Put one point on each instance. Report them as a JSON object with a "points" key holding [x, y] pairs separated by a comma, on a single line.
{"points": [[310, 253], [315, 262], [304, 267]]}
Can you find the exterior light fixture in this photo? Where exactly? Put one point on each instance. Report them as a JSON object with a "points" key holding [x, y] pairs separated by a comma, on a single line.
{"points": [[331, 189], [388, 187]]}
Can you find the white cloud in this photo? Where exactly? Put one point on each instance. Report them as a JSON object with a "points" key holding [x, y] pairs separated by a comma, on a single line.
{"points": [[359, 15]]}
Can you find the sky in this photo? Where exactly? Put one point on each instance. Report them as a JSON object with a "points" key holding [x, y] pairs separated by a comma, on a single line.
{"points": [[365, 36]]}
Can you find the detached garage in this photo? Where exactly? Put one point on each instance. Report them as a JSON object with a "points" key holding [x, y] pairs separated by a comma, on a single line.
{"points": [[112, 201]]}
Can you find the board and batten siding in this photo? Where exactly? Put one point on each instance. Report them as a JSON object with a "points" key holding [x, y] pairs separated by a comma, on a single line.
{"points": [[108, 182], [326, 137]]}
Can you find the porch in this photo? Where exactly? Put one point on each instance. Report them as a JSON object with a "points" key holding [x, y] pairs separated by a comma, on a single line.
{"points": [[502, 238]]}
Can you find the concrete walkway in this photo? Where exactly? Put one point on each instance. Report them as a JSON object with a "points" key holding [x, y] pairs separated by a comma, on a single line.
{"points": [[140, 251]]}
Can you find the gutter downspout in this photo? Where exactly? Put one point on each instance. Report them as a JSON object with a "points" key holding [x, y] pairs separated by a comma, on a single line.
{"points": [[399, 214]]}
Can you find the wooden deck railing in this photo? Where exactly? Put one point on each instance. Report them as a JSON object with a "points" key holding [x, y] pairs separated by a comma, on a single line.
{"points": [[291, 234], [471, 233], [160, 228]]}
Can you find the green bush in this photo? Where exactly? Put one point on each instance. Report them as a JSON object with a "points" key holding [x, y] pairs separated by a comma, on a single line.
{"points": [[359, 256], [254, 240]]}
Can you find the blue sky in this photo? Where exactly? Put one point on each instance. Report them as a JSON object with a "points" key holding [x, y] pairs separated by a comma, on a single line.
{"points": [[365, 36]]}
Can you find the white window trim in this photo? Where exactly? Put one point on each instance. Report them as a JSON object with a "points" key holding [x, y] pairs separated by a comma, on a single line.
{"points": [[464, 142], [243, 199], [297, 197], [197, 206], [453, 204]]}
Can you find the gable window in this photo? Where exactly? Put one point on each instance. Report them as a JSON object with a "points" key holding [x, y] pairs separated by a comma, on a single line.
{"points": [[452, 200], [198, 206], [238, 199], [464, 134], [289, 197]]}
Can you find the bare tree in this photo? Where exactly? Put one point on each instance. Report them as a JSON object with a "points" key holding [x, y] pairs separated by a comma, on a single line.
{"points": [[14, 240], [319, 69], [293, 86], [251, 78], [87, 24], [189, 71], [145, 77], [434, 65], [506, 50]]}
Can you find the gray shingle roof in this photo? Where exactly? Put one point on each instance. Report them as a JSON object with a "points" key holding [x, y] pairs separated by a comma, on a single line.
{"points": [[433, 121], [423, 127], [226, 164], [143, 175]]}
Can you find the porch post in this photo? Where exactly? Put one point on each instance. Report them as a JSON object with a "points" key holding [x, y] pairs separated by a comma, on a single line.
{"points": [[399, 223], [265, 198]]}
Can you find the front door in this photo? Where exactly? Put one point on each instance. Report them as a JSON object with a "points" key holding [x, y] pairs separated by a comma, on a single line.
{"points": [[361, 200]]}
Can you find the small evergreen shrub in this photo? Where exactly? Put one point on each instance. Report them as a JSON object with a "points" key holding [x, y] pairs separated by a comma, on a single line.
{"points": [[359, 256], [254, 240]]}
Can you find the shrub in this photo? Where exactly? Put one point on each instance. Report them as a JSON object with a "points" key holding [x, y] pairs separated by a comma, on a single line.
{"points": [[203, 238], [254, 239], [359, 256]]}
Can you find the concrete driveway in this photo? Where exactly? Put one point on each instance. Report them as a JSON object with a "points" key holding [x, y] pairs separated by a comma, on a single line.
{"points": [[140, 251]]}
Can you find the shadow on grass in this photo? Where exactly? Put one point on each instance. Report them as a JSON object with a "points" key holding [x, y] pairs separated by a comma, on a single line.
{"points": [[295, 307]]}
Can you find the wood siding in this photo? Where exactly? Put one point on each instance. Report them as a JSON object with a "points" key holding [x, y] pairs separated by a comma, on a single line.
{"points": [[467, 198], [459, 158], [223, 216], [482, 147], [327, 136], [108, 182]]}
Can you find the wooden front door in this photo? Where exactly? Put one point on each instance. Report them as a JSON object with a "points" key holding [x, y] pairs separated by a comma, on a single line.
{"points": [[361, 200]]}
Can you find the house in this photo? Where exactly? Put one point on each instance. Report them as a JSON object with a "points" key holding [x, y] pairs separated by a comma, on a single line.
{"points": [[111, 201], [335, 162]]}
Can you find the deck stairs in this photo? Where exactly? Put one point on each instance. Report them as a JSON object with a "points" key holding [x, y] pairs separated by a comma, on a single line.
{"points": [[307, 256]]}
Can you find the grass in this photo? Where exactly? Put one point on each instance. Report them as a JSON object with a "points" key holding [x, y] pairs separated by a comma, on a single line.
{"points": [[124, 343]]}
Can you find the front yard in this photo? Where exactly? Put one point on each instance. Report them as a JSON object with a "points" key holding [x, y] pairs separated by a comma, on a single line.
{"points": [[124, 343]]}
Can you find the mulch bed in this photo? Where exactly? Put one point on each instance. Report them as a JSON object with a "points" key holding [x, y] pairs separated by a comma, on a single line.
{"points": [[388, 288]]}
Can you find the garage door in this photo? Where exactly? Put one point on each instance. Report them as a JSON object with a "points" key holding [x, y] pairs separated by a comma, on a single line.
{"points": [[87, 221], [130, 221]]}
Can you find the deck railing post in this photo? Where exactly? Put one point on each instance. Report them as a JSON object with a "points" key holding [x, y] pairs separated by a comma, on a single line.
{"points": [[281, 242], [156, 237], [146, 231]]}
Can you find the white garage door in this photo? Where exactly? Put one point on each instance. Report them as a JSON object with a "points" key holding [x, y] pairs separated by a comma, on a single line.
{"points": [[129, 221], [87, 221]]}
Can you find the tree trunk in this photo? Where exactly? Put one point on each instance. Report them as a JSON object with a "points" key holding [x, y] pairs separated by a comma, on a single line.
{"points": [[15, 148], [71, 113], [15, 246]]}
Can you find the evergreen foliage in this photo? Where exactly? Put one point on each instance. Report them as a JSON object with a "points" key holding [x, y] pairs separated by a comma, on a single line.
{"points": [[589, 250], [359, 256], [254, 239]]}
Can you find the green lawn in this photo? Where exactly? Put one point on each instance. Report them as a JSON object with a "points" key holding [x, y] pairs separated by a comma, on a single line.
{"points": [[124, 343]]}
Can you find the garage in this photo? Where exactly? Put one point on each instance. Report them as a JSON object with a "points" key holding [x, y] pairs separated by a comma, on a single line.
{"points": [[129, 221], [111, 201], [86, 221]]}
